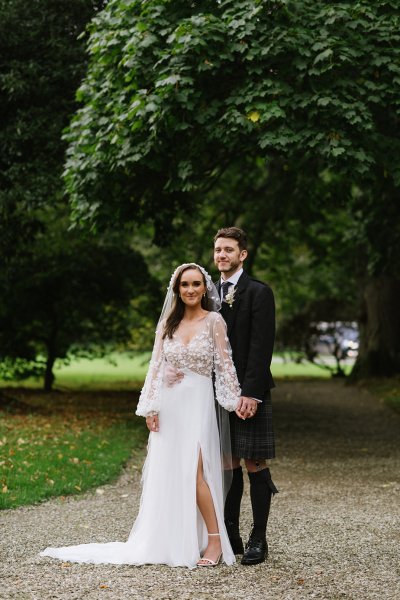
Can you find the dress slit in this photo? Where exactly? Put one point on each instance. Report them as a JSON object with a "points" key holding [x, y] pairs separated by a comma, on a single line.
{"points": [[209, 478]]}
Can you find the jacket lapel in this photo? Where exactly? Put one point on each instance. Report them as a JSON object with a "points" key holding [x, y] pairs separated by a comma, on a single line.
{"points": [[229, 312], [225, 311]]}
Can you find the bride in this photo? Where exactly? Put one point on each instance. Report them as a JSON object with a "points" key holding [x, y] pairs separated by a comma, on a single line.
{"points": [[186, 473]]}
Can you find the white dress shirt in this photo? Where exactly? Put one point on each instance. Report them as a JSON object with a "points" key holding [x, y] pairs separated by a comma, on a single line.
{"points": [[233, 279]]}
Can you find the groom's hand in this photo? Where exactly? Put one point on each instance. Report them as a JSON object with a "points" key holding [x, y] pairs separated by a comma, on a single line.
{"points": [[247, 407]]}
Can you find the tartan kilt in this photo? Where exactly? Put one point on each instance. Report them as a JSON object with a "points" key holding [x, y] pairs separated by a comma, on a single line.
{"points": [[254, 438]]}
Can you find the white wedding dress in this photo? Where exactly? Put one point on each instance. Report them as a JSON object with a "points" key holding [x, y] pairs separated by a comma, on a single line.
{"points": [[169, 528]]}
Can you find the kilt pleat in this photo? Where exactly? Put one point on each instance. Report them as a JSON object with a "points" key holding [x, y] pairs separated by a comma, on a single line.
{"points": [[254, 438]]}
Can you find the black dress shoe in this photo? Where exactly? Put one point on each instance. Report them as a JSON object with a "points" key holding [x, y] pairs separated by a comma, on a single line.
{"points": [[234, 537], [256, 551]]}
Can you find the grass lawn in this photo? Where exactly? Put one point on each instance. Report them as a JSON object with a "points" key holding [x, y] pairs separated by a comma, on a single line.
{"points": [[79, 436], [387, 390], [118, 372], [64, 443], [127, 372]]}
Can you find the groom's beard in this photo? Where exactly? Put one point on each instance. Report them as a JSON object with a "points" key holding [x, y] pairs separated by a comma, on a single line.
{"points": [[230, 267]]}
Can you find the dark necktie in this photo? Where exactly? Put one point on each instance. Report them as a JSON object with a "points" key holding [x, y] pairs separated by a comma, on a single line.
{"points": [[225, 288]]}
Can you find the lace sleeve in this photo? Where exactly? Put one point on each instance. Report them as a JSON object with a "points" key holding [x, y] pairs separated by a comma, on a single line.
{"points": [[149, 400], [226, 382]]}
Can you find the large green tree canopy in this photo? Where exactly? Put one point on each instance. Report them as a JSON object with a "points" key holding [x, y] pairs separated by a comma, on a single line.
{"points": [[176, 91]]}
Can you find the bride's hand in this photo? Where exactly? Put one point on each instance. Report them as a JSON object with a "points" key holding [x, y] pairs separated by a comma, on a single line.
{"points": [[172, 376], [152, 423]]}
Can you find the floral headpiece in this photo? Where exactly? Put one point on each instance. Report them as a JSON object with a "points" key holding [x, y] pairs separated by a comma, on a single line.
{"points": [[212, 293]]}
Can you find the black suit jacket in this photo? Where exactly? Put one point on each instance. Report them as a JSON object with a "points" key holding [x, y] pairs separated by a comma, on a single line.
{"points": [[251, 331]]}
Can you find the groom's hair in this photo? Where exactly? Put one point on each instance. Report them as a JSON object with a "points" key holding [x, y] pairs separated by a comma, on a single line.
{"points": [[235, 233]]}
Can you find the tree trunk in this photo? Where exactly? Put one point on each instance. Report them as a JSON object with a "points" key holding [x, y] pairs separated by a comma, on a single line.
{"points": [[379, 352], [48, 375]]}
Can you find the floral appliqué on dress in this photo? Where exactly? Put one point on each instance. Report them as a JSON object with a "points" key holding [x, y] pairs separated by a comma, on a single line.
{"points": [[207, 352]]}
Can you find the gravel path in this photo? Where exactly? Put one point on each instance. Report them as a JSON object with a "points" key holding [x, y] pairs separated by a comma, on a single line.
{"points": [[333, 529]]}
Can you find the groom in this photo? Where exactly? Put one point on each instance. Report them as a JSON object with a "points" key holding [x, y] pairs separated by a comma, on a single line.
{"points": [[249, 311]]}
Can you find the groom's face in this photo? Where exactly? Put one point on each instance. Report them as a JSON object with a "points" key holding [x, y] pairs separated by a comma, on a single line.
{"points": [[228, 257]]}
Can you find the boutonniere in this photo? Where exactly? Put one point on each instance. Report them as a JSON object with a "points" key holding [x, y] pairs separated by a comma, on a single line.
{"points": [[230, 297]]}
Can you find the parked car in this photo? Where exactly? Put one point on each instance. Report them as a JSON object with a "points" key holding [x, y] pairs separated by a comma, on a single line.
{"points": [[336, 338]]}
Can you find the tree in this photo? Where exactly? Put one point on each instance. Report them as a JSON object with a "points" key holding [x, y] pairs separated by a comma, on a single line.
{"points": [[61, 294], [177, 93], [193, 87], [42, 64], [70, 296]]}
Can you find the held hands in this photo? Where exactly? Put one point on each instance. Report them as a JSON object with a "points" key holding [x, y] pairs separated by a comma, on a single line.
{"points": [[246, 408], [172, 376]]}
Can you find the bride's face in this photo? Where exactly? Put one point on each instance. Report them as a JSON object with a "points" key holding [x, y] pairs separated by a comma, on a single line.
{"points": [[192, 287]]}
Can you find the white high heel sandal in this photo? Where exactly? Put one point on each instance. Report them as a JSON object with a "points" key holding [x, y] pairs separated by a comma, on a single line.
{"points": [[210, 563]]}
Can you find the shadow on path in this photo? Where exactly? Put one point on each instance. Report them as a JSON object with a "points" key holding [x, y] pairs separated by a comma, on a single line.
{"points": [[323, 421]]}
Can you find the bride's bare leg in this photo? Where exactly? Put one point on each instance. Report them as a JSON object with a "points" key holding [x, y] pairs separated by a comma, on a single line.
{"points": [[206, 507]]}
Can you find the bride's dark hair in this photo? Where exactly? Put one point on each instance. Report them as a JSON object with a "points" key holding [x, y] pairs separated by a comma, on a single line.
{"points": [[178, 308]]}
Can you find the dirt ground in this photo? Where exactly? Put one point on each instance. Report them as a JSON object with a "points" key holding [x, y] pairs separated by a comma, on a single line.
{"points": [[333, 530]]}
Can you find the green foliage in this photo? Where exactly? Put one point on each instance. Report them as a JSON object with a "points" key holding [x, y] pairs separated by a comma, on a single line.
{"points": [[299, 236], [69, 296], [61, 294], [175, 92], [42, 64], [177, 97]]}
